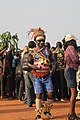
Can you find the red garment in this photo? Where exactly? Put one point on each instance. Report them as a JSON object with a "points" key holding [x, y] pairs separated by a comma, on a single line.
{"points": [[71, 58], [41, 62]]}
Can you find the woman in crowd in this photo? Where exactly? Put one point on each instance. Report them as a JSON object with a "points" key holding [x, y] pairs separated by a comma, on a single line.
{"points": [[71, 59]]}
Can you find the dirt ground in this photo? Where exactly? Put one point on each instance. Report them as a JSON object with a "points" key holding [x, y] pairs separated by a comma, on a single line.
{"points": [[17, 110]]}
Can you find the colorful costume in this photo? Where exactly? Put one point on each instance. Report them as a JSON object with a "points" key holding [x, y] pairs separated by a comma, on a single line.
{"points": [[41, 73]]}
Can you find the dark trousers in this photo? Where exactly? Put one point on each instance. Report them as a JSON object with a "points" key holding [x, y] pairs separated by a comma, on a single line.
{"points": [[19, 87], [13, 80], [29, 88], [2, 86], [9, 84], [21, 90], [64, 89], [60, 86]]}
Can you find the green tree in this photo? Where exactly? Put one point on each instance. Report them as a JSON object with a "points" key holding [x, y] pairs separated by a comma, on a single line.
{"points": [[6, 39]]}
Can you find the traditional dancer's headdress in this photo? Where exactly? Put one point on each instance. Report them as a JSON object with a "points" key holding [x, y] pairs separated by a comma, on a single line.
{"points": [[37, 34]]}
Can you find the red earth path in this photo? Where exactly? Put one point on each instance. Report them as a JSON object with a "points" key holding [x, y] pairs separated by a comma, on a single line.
{"points": [[17, 110]]}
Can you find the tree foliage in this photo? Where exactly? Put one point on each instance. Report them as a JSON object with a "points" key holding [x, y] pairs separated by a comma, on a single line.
{"points": [[6, 39]]}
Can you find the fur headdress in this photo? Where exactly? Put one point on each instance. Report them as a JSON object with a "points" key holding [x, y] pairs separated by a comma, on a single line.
{"points": [[37, 34]]}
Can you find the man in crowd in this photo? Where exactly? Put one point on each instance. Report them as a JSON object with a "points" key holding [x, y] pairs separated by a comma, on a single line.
{"points": [[28, 76], [41, 73]]}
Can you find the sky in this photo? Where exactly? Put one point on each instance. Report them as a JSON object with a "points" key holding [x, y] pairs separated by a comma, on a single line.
{"points": [[56, 17]]}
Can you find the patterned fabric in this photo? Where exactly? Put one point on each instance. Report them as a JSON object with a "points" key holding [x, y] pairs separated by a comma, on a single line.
{"points": [[71, 58], [40, 60], [59, 55], [47, 106], [38, 111]]}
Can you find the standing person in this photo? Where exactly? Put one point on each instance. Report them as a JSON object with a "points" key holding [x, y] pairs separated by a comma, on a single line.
{"points": [[28, 76], [19, 87], [41, 73], [78, 75], [61, 91], [71, 66], [7, 77], [24, 69], [2, 81], [14, 65]]}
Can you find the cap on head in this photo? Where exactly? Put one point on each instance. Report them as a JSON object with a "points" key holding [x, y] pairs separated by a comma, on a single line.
{"points": [[70, 37]]}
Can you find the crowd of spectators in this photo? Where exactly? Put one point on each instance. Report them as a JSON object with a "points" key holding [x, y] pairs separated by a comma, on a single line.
{"points": [[17, 79], [12, 76]]}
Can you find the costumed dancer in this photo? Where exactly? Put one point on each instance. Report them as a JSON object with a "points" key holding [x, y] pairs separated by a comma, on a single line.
{"points": [[41, 73]]}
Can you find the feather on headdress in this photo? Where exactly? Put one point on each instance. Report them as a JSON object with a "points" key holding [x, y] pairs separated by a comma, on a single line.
{"points": [[36, 33]]}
